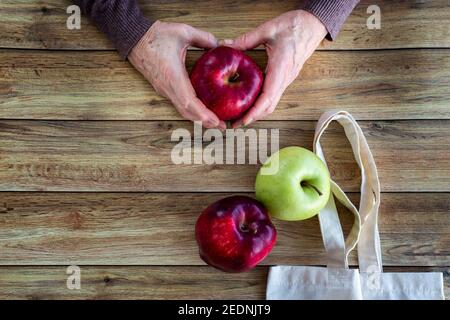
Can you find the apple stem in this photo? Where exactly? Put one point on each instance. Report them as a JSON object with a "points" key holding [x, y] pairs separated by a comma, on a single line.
{"points": [[244, 227], [234, 77], [307, 184]]}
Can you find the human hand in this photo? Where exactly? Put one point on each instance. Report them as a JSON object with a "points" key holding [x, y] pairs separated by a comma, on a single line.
{"points": [[160, 56], [289, 39]]}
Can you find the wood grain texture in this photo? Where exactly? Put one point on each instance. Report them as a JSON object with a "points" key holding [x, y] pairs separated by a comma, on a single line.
{"points": [[404, 24], [142, 245], [393, 84], [136, 156], [158, 229], [143, 282]]}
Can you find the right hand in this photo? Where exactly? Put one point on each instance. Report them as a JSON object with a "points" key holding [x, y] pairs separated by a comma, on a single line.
{"points": [[160, 56], [289, 39]]}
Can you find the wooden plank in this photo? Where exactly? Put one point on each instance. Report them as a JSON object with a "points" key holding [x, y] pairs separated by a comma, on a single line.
{"points": [[136, 156], [158, 229], [404, 24], [398, 84], [143, 282]]}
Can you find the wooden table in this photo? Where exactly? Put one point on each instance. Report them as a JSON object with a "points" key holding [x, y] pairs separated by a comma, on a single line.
{"points": [[85, 169]]}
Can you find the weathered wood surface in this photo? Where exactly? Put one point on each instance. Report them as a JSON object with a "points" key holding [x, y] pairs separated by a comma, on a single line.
{"points": [[158, 229], [143, 282], [136, 156], [149, 237], [393, 84], [404, 24]]}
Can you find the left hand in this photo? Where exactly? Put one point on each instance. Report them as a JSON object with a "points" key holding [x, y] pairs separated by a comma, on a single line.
{"points": [[160, 56], [289, 39]]}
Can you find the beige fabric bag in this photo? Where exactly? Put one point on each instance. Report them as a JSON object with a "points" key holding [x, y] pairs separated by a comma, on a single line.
{"points": [[337, 281]]}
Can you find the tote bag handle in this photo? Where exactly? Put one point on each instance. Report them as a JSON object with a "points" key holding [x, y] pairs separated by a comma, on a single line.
{"points": [[364, 231]]}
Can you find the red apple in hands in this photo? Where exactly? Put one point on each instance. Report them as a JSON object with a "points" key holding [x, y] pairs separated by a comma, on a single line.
{"points": [[227, 81], [234, 234]]}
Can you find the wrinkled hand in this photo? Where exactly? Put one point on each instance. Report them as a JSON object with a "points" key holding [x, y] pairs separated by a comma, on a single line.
{"points": [[289, 39], [160, 56]]}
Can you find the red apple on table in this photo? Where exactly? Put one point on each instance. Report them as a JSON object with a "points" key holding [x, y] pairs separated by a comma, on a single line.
{"points": [[234, 234], [227, 81]]}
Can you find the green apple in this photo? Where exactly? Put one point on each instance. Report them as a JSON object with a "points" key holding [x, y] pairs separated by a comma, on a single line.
{"points": [[299, 187]]}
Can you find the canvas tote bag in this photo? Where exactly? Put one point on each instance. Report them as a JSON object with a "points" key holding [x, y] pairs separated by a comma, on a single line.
{"points": [[336, 280]]}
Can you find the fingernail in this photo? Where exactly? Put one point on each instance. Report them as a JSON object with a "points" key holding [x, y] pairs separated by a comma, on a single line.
{"points": [[227, 41], [248, 121], [237, 124], [222, 126]]}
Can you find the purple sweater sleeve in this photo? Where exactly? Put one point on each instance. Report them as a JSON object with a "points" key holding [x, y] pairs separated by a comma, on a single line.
{"points": [[121, 20], [124, 24], [332, 13]]}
